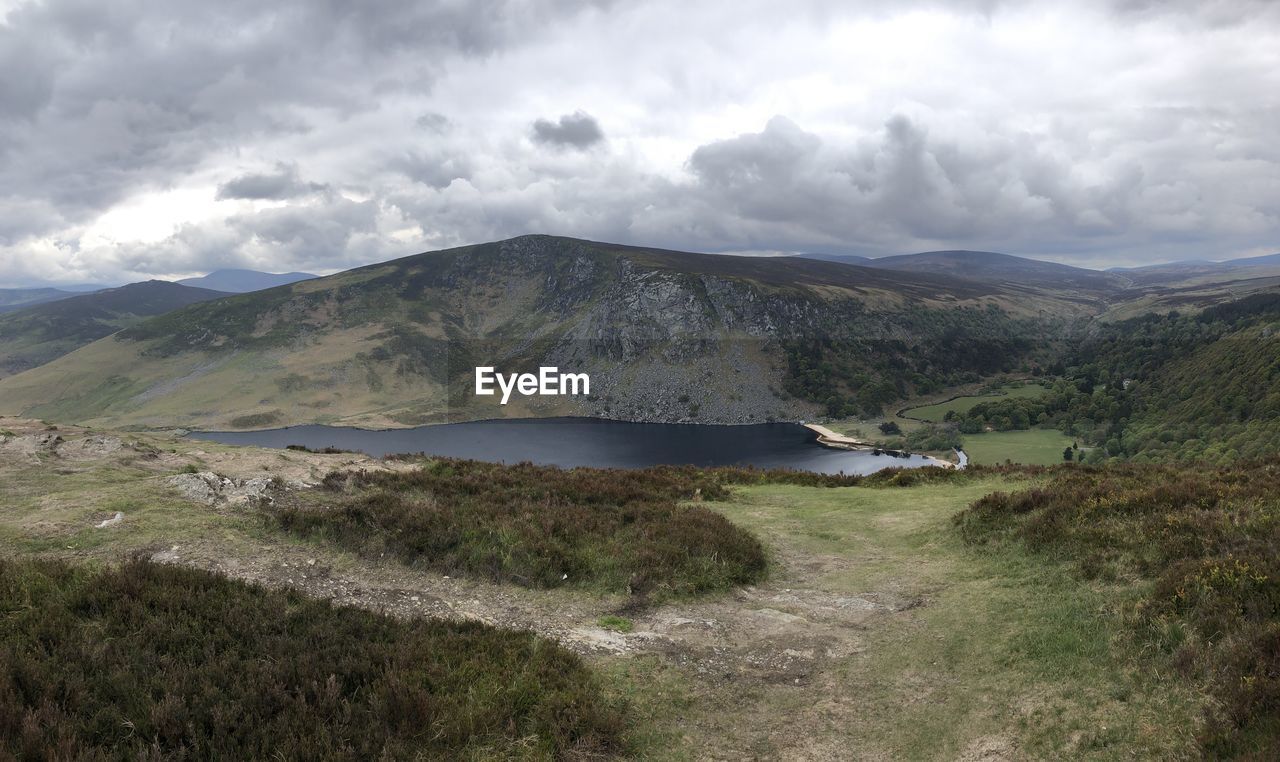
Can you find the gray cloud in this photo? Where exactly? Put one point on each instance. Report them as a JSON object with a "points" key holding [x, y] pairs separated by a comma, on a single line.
{"points": [[279, 185], [111, 101], [382, 129], [578, 130]]}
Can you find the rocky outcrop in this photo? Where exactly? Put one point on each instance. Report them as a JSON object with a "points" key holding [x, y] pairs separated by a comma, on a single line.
{"points": [[213, 489]]}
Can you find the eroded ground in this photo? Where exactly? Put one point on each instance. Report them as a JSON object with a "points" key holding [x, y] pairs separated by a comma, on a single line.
{"points": [[877, 636]]}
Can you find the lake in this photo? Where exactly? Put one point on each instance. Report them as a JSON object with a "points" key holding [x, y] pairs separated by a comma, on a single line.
{"points": [[593, 442]]}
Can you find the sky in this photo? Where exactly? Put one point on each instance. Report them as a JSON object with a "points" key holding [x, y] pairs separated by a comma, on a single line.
{"points": [[166, 138]]}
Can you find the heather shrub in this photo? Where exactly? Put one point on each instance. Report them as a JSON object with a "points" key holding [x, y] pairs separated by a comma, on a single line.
{"points": [[1203, 542], [158, 662], [537, 526]]}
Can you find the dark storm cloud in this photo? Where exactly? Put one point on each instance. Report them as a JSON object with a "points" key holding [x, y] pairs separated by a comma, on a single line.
{"points": [[578, 130], [279, 185]]}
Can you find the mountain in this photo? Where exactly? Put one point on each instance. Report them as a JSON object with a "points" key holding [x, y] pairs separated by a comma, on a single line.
{"points": [[20, 298], [243, 281], [1204, 271], [993, 267], [37, 334], [664, 335], [1265, 261], [848, 259]]}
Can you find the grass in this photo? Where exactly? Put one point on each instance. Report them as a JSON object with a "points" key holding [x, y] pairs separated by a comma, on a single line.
{"points": [[1005, 647], [606, 530], [1198, 546], [147, 661], [936, 412], [616, 623], [1033, 447]]}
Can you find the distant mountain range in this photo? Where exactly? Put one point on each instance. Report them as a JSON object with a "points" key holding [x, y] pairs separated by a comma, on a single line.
{"points": [[665, 335], [244, 281], [1002, 268], [20, 298], [225, 281], [1263, 261], [39, 333]]}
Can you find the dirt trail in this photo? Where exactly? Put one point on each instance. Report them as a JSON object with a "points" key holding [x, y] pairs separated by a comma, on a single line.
{"points": [[743, 654], [766, 668]]}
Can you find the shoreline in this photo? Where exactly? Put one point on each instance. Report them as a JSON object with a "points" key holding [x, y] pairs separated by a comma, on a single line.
{"points": [[829, 438]]}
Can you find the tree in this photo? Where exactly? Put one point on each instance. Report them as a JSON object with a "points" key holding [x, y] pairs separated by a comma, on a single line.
{"points": [[890, 428], [1068, 454]]}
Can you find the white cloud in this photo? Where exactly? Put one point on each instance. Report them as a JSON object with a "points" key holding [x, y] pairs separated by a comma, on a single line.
{"points": [[170, 137]]}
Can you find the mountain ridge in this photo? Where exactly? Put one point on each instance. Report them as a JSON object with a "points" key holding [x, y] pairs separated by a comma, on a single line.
{"points": [[666, 335], [241, 281], [43, 332]]}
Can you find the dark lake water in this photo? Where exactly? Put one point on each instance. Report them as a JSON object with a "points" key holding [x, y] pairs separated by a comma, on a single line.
{"points": [[572, 442]]}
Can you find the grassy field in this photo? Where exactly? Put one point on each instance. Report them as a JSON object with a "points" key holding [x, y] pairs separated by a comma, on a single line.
{"points": [[935, 413], [1006, 656], [1033, 447]]}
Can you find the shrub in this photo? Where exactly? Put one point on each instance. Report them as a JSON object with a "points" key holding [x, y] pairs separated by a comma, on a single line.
{"points": [[255, 420], [158, 662], [538, 526], [1208, 540]]}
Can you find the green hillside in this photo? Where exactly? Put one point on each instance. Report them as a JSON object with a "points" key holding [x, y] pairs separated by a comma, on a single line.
{"points": [[1202, 386], [36, 335], [665, 335]]}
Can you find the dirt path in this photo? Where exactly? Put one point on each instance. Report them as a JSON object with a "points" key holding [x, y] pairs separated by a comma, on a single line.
{"points": [[876, 636]]}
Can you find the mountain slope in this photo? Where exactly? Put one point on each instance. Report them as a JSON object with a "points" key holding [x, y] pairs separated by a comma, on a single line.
{"points": [[848, 259], [36, 335], [12, 299], [665, 336], [243, 281], [993, 267]]}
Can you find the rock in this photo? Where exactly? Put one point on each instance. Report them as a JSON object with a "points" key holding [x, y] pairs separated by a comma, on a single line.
{"points": [[116, 519], [94, 446], [166, 556], [210, 488], [31, 445], [203, 487]]}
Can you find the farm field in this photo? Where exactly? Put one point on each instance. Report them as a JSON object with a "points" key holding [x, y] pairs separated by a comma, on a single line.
{"points": [[1032, 447], [936, 412]]}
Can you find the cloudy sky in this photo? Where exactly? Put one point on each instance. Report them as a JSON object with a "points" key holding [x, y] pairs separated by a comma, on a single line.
{"points": [[173, 137]]}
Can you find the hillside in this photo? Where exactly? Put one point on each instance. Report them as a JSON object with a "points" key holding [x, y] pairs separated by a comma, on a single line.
{"points": [[243, 281], [993, 267], [36, 335], [665, 336], [20, 298], [1189, 387]]}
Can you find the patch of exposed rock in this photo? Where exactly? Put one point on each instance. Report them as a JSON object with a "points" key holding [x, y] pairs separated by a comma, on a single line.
{"points": [[211, 489], [31, 445], [92, 446]]}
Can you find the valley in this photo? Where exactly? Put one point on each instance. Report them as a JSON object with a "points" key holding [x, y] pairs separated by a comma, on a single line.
{"points": [[700, 591]]}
